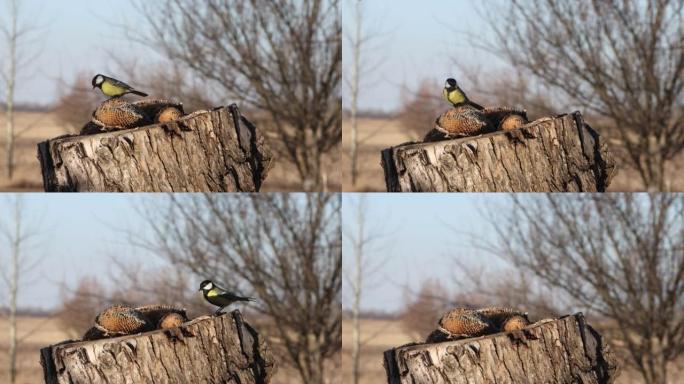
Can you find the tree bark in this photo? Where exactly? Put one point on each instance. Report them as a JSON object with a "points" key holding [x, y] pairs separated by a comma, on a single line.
{"points": [[566, 350], [562, 154], [215, 151], [221, 349]]}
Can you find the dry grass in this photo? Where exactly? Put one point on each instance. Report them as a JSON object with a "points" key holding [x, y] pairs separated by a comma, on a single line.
{"points": [[386, 334], [374, 135], [38, 332], [378, 134], [378, 335], [34, 127]]}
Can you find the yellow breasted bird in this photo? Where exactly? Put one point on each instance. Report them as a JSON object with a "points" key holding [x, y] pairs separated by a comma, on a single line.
{"points": [[455, 95], [220, 297], [112, 87], [465, 118]]}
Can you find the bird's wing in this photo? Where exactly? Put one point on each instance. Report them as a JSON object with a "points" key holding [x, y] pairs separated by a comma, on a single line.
{"points": [[120, 83], [219, 287], [233, 297], [226, 294], [476, 105]]}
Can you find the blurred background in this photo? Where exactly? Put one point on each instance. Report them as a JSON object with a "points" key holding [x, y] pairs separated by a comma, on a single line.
{"points": [[64, 259], [618, 258], [619, 63], [284, 72]]}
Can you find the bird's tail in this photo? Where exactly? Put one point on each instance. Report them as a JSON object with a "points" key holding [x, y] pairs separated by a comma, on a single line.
{"points": [[143, 94], [249, 299]]}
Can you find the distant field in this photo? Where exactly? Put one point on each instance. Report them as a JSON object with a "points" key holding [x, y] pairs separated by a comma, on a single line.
{"points": [[34, 127], [37, 332], [386, 334], [379, 335], [377, 134]]}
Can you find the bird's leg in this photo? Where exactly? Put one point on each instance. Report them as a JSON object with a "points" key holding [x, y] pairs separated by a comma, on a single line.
{"points": [[218, 311]]}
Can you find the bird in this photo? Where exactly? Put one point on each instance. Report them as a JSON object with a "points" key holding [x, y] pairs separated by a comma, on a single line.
{"points": [[220, 297], [515, 323], [465, 118], [156, 313], [122, 320], [168, 114], [464, 323], [112, 87], [455, 95], [506, 118], [468, 118], [171, 320], [119, 113]]}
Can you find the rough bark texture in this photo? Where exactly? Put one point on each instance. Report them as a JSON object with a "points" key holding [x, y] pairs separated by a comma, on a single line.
{"points": [[566, 350], [216, 151], [205, 350], [562, 154]]}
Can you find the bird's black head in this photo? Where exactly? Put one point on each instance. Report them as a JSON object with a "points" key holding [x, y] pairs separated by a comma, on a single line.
{"points": [[98, 80], [450, 84], [206, 285]]}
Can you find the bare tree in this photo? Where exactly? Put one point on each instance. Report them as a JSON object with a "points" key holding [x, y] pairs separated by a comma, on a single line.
{"points": [[80, 305], [357, 286], [18, 236], [623, 60], [283, 249], [9, 76], [421, 107], [76, 102], [619, 256], [362, 240], [423, 308], [14, 36], [510, 88], [280, 56], [357, 42]]}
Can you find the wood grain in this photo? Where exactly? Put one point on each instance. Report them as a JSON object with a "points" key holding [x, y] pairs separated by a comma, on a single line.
{"points": [[221, 349], [213, 151], [566, 350], [562, 154]]}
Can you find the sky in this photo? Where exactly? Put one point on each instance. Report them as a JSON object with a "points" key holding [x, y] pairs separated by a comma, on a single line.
{"points": [[76, 35], [423, 233], [414, 40], [71, 36], [76, 236]]}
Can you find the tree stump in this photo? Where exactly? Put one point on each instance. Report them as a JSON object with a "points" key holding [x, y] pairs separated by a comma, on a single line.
{"points": [[566, 350], [562, 154], [221, 349], [213, 151]]}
